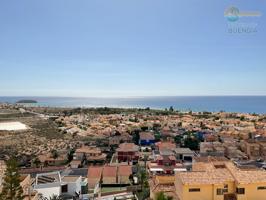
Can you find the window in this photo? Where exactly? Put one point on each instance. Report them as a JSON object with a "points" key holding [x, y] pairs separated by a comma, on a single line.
{"points": [[194, 189], [220, 166], [240, 190], [262, 188], [225, 188], [220, 191], [64, 189]]}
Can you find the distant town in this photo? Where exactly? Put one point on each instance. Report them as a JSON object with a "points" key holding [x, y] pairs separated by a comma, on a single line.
{"points": [[137, 153]]}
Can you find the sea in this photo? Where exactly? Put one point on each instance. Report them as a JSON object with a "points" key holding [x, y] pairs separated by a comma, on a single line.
{"points": [[241, 104]]}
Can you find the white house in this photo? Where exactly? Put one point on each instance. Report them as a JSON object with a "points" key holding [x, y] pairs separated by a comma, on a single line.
{"points": [[49, 184]]}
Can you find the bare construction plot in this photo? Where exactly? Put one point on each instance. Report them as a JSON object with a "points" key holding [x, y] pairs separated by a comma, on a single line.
{"points": [[12, 126]]}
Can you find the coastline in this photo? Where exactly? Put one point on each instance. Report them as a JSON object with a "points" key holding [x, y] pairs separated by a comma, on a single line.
{"points": [[239, 104]]}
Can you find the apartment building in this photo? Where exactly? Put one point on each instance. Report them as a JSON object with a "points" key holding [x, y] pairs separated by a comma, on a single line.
{"points": [[220, 180]]}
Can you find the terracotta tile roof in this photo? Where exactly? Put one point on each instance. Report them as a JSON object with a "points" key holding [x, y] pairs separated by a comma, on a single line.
{"points": [[218, 172], [109, 171], [165, 145], [124, 170], [163, 184], [165, 179], [95, 172], [192, 178], [146, 136], [128, 147], [247, 176]]}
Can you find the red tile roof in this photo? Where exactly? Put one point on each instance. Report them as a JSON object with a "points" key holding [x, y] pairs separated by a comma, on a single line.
{"points": [[124, 170], [128, 147], [109, 171], [146, 136], [95, 172], [166, 145]]}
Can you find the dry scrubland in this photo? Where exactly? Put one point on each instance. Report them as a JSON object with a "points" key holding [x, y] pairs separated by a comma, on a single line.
{"points": [[41, 137]]}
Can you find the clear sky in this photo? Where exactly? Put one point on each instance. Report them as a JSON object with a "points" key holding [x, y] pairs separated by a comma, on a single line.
{"points": [[130, 48]]}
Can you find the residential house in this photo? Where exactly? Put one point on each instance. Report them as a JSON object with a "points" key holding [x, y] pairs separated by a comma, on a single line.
{"points": [[232, 151], [163, 184], [165, 145], [109, 175], [252, 149], [91, 154], [165, 160], [128, 152], [184, 154], [123, 173], [211, 149], [165, 165], [74, 184], [49, 184], [49, 160], [26, 184], [94, 177], [117, 139], [75, 163], [263, 149], [220, 180], [146, 138]]}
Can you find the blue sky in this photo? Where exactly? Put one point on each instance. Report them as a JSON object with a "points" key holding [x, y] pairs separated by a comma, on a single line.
{"points": [[129, 48]]}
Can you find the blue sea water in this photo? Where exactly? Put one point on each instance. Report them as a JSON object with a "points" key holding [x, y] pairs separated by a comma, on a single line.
{"points": [[243, 104]]}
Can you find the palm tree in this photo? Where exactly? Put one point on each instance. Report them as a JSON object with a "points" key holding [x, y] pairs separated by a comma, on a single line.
{"points": [[145, 160], [54, 197], [143, 178], [162, 196]]}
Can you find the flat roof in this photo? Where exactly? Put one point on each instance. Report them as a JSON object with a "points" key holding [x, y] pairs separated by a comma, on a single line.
{"points": [[184, 151]]}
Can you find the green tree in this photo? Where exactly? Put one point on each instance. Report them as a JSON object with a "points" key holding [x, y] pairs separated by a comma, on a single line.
{"points": [[242, 118], [36, 162], [54, 154], [192, 143], [11, 184], [178, 139], [171, 109], [70, 155], [143, 178], [135, 136], [162, 196]]}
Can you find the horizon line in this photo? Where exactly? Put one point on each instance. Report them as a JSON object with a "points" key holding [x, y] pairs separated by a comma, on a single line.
{"points": [[148, 96]]}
